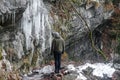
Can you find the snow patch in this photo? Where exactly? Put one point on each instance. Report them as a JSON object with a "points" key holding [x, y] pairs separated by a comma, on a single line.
{"points": [[99, 69], [71, 67], [47, 69]]}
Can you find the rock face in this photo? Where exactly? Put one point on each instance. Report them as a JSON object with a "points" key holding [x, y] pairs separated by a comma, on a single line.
{"points": [[79, 45], [28, 34], [9, 9], [6, 6], [10, 14], [75, 31]]}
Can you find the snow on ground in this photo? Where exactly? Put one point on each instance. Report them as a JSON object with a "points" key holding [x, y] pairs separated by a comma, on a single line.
{"points": [[99, 69], [47, 69]]}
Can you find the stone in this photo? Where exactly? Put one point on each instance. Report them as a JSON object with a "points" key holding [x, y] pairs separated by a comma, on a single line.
{"points": [[88, 71], [116, 75]]}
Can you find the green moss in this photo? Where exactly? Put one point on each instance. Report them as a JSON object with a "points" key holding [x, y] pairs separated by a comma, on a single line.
{"points": [[102, 53], [113, 34], [25, 67], [118, 47], [77, 2], [96, 49], [0, 56], [0, 53], [34, 59]]}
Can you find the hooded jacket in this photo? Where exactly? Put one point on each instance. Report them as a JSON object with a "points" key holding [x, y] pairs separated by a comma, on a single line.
{"points": [[58, 44]]}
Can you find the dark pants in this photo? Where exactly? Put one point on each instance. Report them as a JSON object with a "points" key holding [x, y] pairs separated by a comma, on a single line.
{"points": [[57, 57]]}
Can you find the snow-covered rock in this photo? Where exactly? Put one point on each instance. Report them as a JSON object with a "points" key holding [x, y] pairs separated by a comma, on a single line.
{"points": [[99, 70], [47, 69], [87, 71]]}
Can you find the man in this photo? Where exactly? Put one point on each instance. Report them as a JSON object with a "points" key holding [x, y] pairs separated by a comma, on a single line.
{"points": [[58, 48]]}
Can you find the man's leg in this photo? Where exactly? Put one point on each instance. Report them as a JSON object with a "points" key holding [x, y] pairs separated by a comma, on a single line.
{"points": [[59, 61], [56, 63]]}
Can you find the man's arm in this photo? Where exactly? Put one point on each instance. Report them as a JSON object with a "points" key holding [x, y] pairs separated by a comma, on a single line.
{"points": [[63, 46], [52, 47]]}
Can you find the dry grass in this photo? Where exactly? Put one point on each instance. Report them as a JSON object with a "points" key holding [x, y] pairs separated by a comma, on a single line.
{"points": [[64, 56]]}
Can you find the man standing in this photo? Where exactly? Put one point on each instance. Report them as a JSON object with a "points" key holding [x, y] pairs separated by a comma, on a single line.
{"points": [[58, 48]]}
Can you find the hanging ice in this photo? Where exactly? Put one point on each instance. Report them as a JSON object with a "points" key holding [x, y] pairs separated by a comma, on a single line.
{"points": [[34, 22]]}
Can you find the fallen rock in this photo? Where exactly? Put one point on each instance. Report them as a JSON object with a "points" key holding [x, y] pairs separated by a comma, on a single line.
{"points": [[116, 75]]}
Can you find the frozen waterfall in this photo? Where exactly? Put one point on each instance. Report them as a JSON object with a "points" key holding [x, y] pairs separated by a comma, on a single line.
{"points": [[34, 23]]}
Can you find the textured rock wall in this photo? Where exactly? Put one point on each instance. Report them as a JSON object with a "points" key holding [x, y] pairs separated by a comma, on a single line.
{"points": [[25, 35], [15, 36], [75, 31]]}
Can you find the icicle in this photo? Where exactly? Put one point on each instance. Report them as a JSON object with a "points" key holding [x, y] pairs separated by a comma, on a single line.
{"points": [[6, 16], [14, 18], [2, 19], [43, 33], [11, 16], [48, 24], [33, 24]]}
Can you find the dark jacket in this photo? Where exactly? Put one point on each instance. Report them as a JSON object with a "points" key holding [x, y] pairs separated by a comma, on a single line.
{"points": [[58, 44]]}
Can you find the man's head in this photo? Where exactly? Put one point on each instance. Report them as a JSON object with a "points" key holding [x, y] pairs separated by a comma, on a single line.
{"points": [[56, 35]]}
